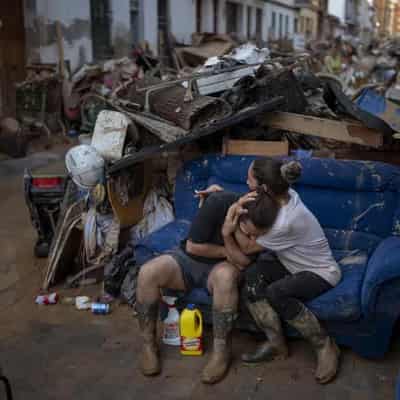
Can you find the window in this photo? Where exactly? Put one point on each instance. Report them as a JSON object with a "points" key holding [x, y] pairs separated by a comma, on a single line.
{"points": [[199, 5], [101, 29], [216, 13], [287, 26], [273, 21], [280, 26], [259, 19], [134, 8], [296, 25], [232, 16], [249, 22]]}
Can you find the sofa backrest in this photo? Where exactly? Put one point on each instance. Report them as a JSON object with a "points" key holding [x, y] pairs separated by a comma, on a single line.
{"points": [[356, 202]]}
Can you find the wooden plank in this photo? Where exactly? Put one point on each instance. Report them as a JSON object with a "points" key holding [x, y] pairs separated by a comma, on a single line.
{"points": [[343, 131], [254, 148], [60, 47]]}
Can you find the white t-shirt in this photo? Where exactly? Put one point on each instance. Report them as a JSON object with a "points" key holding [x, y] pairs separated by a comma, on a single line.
{"points": [[300, 243]]}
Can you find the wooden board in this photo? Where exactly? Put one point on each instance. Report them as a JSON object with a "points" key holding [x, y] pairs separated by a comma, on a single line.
{"points": [[254, 148], [131, 213], [343, 131]]}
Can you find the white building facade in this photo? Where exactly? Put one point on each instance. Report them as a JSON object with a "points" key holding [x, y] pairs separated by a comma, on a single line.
{"points": [[99, 29]]}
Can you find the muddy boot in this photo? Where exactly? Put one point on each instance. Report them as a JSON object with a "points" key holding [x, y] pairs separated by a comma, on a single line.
{"points": [[325, 347], [268, 321], [220, 359], [150, 358]]}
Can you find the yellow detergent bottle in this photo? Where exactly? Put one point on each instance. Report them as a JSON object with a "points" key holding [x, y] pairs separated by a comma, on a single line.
{"points": [[191, 328]]}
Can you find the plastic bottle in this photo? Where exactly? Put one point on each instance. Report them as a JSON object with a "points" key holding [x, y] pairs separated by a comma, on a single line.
{"points": [[171, 334], [191, 326], [47, 299]]}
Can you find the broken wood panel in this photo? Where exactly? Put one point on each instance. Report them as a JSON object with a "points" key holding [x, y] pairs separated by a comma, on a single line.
{"points": [[255, 148], [343, 131], [213, 127]]}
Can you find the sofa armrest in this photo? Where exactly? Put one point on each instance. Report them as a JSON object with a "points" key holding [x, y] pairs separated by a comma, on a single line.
{"points": [[383, 266]]}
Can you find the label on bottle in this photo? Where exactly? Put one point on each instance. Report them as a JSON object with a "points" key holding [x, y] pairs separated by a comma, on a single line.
{"points": [[171, 330], [191, 344]]}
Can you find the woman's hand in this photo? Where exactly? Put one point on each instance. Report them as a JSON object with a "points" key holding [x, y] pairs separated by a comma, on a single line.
{"points": [[247, 198], [232, 219], [203, 194]]}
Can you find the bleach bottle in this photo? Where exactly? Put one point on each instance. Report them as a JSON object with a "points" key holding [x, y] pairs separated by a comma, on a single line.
{"points": [[191, 327], [171, 333]]}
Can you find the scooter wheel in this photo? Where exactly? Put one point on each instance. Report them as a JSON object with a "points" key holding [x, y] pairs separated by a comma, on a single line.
{"points": [[42, 249]]}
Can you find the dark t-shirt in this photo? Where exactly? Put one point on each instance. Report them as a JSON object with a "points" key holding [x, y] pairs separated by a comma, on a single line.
{"points": [[207, 225]]}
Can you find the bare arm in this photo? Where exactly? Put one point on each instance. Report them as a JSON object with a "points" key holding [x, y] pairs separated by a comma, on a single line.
{"points": [[234, 253], [205, 250], [247, 245]]}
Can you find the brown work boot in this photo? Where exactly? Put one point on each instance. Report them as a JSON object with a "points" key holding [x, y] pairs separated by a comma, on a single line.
{"points": [[268, 321], [325, 347], [220, 359], [150, 358]]}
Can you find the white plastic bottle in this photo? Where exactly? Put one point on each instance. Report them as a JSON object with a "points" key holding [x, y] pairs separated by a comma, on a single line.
{"points": [[171, 333]]}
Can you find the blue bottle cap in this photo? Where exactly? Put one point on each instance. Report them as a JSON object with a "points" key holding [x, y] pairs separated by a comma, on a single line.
{"points": [[191, 306]]}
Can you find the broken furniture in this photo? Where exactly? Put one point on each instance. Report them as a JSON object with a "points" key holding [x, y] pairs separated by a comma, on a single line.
{"points": [[343, 131], [357, 204], [254, 147]]}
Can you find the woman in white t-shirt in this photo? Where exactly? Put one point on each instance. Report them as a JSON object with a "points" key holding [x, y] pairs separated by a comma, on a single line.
{"points": [[304, 268]]}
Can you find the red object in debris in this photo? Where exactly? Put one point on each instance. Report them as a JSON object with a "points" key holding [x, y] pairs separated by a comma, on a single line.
{"points": [[46, 183], [47, 299], [72, 114]]}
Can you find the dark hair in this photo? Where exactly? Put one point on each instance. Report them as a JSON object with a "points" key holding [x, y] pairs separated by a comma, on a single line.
{"points": [[262, 211], [276, 175]]}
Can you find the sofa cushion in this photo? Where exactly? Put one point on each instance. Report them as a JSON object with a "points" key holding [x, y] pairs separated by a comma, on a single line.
{"points": [[157, 243], [343, 302], [340, 239]]}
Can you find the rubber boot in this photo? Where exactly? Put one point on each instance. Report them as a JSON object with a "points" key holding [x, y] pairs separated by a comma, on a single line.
{"points": [[268, 321], [325, 347], [150, 358], [220, 359]]}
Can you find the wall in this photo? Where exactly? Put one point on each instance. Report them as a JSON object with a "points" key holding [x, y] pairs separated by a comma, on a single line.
{"points": [[150, 23], [308, 14], [121, 39], [284, 11], [74, 16], [207, 21], [183, 19], [75, 19]]}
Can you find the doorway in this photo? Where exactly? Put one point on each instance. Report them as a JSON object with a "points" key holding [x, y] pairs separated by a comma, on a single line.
{"points": [[12, 53]]}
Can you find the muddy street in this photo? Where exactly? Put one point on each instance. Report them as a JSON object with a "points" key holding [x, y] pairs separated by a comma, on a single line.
{"points": [[51, 352]]}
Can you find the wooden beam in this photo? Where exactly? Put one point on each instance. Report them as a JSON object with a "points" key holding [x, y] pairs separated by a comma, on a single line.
{"points": [[343, 131], [60, 47], [254, 148]]}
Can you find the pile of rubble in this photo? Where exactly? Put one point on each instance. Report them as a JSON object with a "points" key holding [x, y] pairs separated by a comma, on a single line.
{"points": [[138, 120]]}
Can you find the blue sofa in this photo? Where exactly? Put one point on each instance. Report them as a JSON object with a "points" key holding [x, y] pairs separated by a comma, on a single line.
{"points": [[358, 205]]}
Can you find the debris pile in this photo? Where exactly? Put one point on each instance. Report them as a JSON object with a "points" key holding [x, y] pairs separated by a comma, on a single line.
{"points": [[138, 118]]}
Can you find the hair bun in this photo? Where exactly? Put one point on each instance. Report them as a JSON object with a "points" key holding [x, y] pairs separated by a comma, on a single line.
{"points": [[291, 171]]}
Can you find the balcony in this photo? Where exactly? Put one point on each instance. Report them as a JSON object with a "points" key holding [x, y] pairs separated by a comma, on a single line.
{"points": [[311, 4]]}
